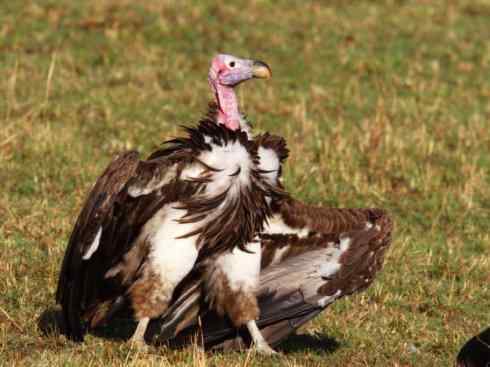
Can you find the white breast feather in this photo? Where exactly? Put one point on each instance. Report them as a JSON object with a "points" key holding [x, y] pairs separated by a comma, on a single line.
{"points": [[242, 268], [172, 257], [227, 160]]}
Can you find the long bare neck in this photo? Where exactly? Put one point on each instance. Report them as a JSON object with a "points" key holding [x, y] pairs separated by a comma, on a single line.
{"points": [[226, 99]]}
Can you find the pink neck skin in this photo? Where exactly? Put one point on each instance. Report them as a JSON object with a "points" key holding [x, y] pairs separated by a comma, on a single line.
{"points": [[226, 99]]}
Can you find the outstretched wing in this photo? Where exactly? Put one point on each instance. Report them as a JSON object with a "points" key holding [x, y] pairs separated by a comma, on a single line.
{"points": [[122, 199], [308, 263]]}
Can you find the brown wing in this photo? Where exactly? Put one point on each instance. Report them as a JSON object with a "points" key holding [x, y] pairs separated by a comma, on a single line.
{"points": [[334, 252], [104, 231]]}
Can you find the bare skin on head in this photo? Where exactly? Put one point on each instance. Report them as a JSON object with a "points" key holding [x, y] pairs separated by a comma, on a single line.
{"points": [[225, 74]]}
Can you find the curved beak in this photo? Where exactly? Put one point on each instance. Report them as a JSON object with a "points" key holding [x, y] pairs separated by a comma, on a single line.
{"points": [[261, 70]]}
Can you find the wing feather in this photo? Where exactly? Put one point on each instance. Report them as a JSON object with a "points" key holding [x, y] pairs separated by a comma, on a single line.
{"points": [[105, 229], [296, 288]]}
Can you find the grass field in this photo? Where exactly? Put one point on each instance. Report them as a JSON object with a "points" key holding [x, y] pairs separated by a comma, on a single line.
{"points": [[383, 103]]}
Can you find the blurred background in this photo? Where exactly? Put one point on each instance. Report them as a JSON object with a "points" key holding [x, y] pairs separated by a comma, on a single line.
{"points": [[383, 103]]}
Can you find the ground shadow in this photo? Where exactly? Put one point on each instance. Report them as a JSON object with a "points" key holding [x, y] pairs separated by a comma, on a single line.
{"points": [[315, 342], [50, 322]]}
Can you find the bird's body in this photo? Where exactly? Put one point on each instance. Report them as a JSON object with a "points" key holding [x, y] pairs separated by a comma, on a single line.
{"points": [[146, 234], [303, 259], [146, 222]]}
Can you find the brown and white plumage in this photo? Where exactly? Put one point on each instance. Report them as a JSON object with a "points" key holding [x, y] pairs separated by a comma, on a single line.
{"points": [[145, 222], [230, 280], [322, 253], [311, 256], [117, 228]]}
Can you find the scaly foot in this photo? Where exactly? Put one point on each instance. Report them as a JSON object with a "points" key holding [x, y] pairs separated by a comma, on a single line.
{"points": [[265, 349], [137, 341]]}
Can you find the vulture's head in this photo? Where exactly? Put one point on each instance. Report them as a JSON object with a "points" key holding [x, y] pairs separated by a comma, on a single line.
{"points": [[226, 72]]}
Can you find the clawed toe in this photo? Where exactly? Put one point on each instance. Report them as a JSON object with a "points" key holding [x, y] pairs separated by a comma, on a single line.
{"points": [[265, 349], [139, 345]]}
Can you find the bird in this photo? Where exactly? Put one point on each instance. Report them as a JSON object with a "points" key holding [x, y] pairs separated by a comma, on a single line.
{"points": [[145, 223], [476, 351]]}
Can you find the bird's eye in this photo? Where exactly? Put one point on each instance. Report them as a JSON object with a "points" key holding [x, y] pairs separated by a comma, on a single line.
{"points": [[232, 64]]}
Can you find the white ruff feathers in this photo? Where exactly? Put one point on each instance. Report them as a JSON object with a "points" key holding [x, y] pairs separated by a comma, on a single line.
{"points": [[269, 162], [228, 159]]}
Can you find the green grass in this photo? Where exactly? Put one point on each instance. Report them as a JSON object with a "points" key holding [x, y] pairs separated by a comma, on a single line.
{"points": [[382, 103]]}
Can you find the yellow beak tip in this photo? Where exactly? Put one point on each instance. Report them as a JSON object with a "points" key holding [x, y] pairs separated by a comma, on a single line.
{"points": [[261, 70]]}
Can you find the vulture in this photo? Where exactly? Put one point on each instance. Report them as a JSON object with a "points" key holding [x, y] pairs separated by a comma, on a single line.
{"points": [[476, 351], [203, 197]]}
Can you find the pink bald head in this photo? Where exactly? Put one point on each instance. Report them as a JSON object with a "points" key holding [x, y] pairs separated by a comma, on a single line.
{"points": [[226, 72]]}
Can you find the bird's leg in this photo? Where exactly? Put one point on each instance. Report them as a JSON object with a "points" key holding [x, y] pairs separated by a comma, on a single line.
{"points": [[138, 338], [231, 281], [258, 339]]}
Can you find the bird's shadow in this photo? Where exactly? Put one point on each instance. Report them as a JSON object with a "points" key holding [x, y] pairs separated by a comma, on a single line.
{"points": [[50, 322], [317, 342]]}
